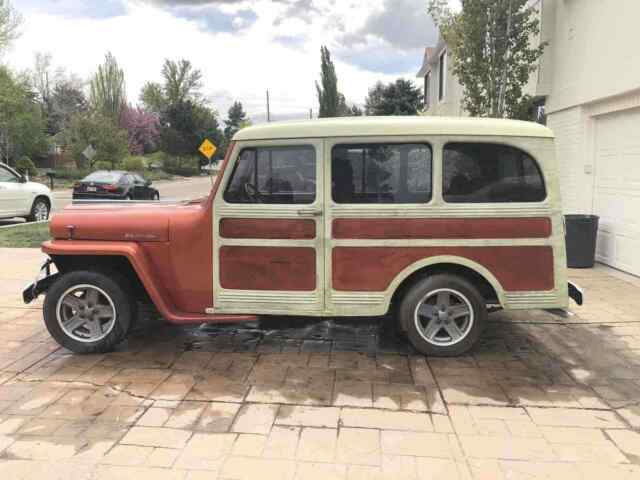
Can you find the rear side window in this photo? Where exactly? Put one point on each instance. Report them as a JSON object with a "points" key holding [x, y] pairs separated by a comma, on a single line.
{"points": [[276, 175], [490, 173], [381, 173]]}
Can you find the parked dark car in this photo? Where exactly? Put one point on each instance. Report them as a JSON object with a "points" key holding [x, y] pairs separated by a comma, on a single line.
{"points": [[114, 185]]}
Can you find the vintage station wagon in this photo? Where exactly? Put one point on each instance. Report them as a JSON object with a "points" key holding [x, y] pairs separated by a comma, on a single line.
{"points": [[433, 221]]}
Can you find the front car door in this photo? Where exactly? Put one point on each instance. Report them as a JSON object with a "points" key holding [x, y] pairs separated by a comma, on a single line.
{"points": [[14, 198], [267, 229]]}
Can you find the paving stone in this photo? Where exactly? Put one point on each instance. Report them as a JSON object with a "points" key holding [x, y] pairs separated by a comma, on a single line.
{"points": [[206, 451], [384, 419], [416, 444], [358, 446], [505, 447], [156, 437], [574, 418], [255, 418], [307, 416], [246, 468]]}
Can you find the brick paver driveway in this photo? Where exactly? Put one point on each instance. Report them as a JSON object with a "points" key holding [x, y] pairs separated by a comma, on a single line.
{"points": [[542, 397]]}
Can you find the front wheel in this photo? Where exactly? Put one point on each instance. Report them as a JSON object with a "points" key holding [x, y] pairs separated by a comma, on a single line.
{"points": [[88, 312], [443, 315], [39, 211]]}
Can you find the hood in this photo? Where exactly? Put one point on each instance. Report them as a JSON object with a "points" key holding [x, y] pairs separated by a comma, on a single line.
{"points": [[35, 187], [125, 223]]}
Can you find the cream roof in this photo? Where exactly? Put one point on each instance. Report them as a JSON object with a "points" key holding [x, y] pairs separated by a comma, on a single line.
{"points": [[392, 125]]}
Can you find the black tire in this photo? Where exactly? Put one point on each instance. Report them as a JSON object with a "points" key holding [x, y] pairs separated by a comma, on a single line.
{"points": [[156, 196], [461, 290], [128, 197], [115, 286], [39, 203]]}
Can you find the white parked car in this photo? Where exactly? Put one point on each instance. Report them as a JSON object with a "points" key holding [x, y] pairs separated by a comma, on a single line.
{"points": [[21, 198]]}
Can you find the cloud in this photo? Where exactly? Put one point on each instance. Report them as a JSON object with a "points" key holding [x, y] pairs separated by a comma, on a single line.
{"points": [[213, 19], [74, 8]]}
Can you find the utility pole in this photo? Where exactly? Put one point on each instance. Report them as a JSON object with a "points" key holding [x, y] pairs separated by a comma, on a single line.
{"points": [[268, 110]]}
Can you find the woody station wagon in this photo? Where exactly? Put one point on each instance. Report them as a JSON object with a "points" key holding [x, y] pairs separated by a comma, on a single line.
{"points": [[434, 221]]}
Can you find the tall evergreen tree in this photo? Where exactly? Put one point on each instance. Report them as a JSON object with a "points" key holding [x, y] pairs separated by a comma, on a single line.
{"points": [[401, 97], [108, 92], [236, 118], [493, 57]]}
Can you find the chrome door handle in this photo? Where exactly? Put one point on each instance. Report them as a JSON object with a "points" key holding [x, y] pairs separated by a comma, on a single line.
{"points": [[310, 213]]}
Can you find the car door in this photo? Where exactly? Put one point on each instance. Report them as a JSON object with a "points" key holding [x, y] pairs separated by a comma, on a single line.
{"points": [[14, 198], [140, 189], [268, 224]]}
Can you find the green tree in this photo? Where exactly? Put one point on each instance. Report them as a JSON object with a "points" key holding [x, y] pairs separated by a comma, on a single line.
{"points": [[108, 91], [236, 118], [332, 102], [67, 100], [22, 126], [152, 97], [106, 137], [493, 57], [181, 81], [10, 21], [401, 97]]}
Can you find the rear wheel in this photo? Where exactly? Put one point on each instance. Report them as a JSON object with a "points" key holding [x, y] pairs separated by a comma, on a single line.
{"points": [[39, 211], [443, 315], [88, 312]]}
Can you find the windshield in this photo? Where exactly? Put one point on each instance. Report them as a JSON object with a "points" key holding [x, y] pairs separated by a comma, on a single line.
{"points": [[103, 177]]}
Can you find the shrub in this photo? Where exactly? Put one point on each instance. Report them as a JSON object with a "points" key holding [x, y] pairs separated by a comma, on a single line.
{"points": [[185, 166], [104, 165], [26, 166], [133, 164], [71, 173]]}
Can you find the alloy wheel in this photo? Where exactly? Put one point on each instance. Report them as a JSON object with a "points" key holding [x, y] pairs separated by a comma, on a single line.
{"points": [[40, 211], [444, 317], [86, 313]]}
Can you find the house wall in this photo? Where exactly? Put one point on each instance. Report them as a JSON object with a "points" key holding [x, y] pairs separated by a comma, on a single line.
{"points": [[451, 104], [595, 50]]}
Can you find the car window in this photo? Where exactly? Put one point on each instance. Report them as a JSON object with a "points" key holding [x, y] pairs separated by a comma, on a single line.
{"points": [[138, 178], [103, 177], [8, 176], [276, 175], [381, 173], [490, 173]]}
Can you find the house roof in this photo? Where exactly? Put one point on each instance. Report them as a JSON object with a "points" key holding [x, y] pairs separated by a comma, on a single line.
{"points": [[431, 55], [392, 125]]}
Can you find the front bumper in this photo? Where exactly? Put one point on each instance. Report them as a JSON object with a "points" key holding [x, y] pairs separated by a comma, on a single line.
{"points": [[43, 282]]}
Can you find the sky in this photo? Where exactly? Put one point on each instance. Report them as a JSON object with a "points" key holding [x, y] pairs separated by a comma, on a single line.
{"points": [[243, 47]]}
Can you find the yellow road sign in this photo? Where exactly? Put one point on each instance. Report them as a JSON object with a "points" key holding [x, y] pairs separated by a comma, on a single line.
{"points": [[208, 149]]}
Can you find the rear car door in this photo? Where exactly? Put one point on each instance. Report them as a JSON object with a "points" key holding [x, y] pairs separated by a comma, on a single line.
{"points": [[268, 221], [14, 198]]}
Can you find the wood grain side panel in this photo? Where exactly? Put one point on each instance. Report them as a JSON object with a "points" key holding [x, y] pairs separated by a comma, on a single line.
{"points": [[441, 228], [268, 268], [268, 228], [372, 269]]}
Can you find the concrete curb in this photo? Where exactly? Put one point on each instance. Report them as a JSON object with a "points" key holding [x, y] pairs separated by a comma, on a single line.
{"points": [[22, 224]]}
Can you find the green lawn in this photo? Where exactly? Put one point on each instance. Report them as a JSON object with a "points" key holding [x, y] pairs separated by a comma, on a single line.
{"points": [[24, 235]]}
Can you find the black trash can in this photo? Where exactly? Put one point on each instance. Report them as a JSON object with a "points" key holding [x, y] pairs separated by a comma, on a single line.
{"points": [[582, 231]]}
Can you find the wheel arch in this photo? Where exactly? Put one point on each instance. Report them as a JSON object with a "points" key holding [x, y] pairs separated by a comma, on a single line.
{"points": [[487, 283], [45, 197]]}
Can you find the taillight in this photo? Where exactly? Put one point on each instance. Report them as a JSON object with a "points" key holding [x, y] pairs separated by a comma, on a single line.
{"points": [[76, 185], [110, 188]]}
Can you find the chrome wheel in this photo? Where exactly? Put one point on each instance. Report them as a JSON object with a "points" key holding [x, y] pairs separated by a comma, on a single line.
{"points": [[86, 313], [444, 317], [40, 211]]}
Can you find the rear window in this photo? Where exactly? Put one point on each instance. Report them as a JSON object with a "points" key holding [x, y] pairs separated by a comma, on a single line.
{"points": [[103, 177], [490, 173]]}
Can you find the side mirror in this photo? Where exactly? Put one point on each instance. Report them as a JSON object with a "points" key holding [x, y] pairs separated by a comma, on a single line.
{"points": [[148, 182], [24, 178]]}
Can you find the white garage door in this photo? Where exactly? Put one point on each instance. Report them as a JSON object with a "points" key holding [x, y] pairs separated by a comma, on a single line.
{"points": [[617, 189]]}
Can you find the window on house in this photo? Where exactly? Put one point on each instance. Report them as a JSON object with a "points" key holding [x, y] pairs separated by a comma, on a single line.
{"points": [[427, 89], [381, 173], [280, 175], [442, 75], [490, 173]]}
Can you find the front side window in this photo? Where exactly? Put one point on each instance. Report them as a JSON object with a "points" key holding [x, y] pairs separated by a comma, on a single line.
{"points": [[490, 173], [381, 173], [7, 176], [276, 175]]}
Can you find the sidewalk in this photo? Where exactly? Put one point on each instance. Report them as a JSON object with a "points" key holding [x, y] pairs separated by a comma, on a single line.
{"points": [[542, 397]]}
